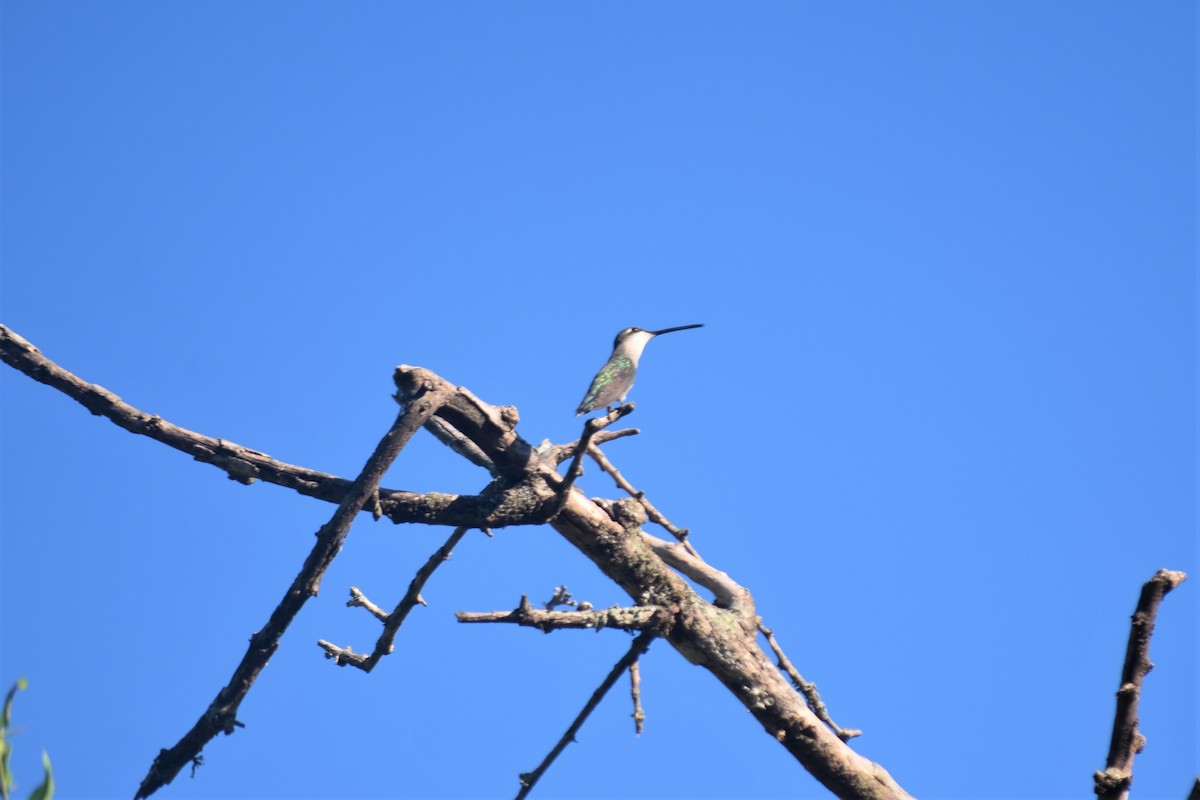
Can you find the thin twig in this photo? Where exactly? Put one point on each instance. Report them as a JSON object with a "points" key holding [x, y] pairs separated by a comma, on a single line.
{"points": [[221, 715], [653, 513], [1113, 782], [359, 600], [590, 429], [640, 645], [809, 690], [393, 621], [635, 691], [568, 450]]}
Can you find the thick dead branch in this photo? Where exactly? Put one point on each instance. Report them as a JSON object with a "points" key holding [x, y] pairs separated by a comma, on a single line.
{"points": [[640, 645], [221, 715], [1114, 781], [723, 641], [626, 619], [392, 622], [631, 515]]}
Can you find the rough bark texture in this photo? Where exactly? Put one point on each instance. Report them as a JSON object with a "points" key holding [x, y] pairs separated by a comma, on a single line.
{"points": [[722, 641]]}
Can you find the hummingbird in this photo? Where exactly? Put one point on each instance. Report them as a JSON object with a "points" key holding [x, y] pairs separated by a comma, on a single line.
{"points": [[615, 378]]}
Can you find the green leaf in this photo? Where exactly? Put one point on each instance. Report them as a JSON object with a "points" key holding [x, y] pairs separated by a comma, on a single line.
{"points": [[46, 790], [6, 781]]}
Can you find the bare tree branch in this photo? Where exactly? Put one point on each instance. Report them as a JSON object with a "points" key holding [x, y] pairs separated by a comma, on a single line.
{"points": [[626, 619], [640, 645], [728, 592], [493, 508], [1113, 783], [221, 715], [635, 691], [393, 621]]}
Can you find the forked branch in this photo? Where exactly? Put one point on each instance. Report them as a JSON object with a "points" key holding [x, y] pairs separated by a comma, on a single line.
{"points": [[344, 656], [221, 715]]}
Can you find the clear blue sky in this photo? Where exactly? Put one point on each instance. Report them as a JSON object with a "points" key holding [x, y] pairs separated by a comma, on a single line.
{"points": [[941, 419]]}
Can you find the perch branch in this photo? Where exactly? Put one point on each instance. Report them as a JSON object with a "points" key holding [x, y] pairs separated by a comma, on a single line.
{"points": [[1113, 782], [640, 645], [221, 715], [590, 429], [809, 690], [393, 621]]}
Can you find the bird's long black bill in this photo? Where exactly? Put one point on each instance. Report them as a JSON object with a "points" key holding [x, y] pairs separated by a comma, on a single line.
{"points": [[679, 328]]}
